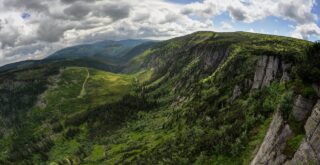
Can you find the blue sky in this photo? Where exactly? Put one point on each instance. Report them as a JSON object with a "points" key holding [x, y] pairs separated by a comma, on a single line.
{"points": [[34, 29]]}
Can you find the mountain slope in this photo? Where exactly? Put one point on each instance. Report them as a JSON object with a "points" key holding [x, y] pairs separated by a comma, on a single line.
{"points": [[104, 49], [106, 55], [204, 98]]}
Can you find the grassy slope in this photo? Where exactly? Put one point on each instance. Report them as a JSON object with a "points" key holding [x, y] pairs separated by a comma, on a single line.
{"points": [[101, 88], [61, 101]]}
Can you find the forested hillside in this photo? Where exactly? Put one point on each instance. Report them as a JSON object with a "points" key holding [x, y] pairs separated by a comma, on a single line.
{"points": [[204, 98]]}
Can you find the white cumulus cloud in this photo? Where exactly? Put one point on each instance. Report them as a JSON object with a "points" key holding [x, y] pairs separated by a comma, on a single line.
{"points": [[305, 31]]}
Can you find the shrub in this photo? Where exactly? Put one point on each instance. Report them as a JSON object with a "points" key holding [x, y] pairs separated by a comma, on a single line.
{"points": [[71, 132], [292, 145], [309, 68]]}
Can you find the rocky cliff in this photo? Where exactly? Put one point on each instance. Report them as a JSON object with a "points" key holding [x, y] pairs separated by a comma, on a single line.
{"points": [[282, 130], [309, 149]]}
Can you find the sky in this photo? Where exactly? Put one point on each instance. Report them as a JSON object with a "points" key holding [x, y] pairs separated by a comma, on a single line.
{"points": [[34, 29]]}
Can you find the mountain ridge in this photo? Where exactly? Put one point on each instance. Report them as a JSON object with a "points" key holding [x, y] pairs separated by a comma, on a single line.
{"points": [[203, 98]]}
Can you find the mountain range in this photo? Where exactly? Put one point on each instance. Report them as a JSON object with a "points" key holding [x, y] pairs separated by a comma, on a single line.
{"points": [[204, 98]]}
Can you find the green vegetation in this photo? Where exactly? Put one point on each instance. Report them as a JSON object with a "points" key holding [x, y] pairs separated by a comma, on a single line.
{"points": [[293, 144], [175, 104], [98, 152]]}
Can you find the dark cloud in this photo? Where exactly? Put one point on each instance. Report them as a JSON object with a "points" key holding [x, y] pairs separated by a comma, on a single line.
{"points": [[141, 17], [35, 5], [187, 11], [115, 11], [52, 31], [1, 24], [78, 10], [73, 1], [68, 1], [237, 13], [170, 18], [8, 34], [8, 39]]}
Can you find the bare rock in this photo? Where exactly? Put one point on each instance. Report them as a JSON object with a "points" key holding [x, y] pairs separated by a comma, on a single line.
{"points": [[236, 92], [301, 108], [260, 71], [312, 128], [309, 150], [270, 151], [270, 71], [315, 142], [285, 75], [313, 121], [213, 57], [304, 155], [266, 71]]}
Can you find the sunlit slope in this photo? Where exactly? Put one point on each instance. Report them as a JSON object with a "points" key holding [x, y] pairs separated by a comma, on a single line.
{"points": [[70, 91], [80, 88]]}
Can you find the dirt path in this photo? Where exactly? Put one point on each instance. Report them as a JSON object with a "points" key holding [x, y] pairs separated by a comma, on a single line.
{"points": [[83, 90]]}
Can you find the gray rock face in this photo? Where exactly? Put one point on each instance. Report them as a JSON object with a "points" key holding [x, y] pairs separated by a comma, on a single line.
{"points": [[212, 57], [270, 151], [236, 92], [260, 71], [266, 71], [304, 155], [309, 150], [301, 108], [285, 75], [313, 121], [270, 71]]}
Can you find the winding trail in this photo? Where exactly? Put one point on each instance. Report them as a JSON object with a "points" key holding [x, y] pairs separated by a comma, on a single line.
{"points": [[83, 90]]}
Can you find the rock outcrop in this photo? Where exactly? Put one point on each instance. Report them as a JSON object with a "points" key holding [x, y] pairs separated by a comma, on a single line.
{"points": [[304, 155], [266, 71], [236, 92], [270, 151], [285, 75], [301, 108], [309, 150], [272, 147]]}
